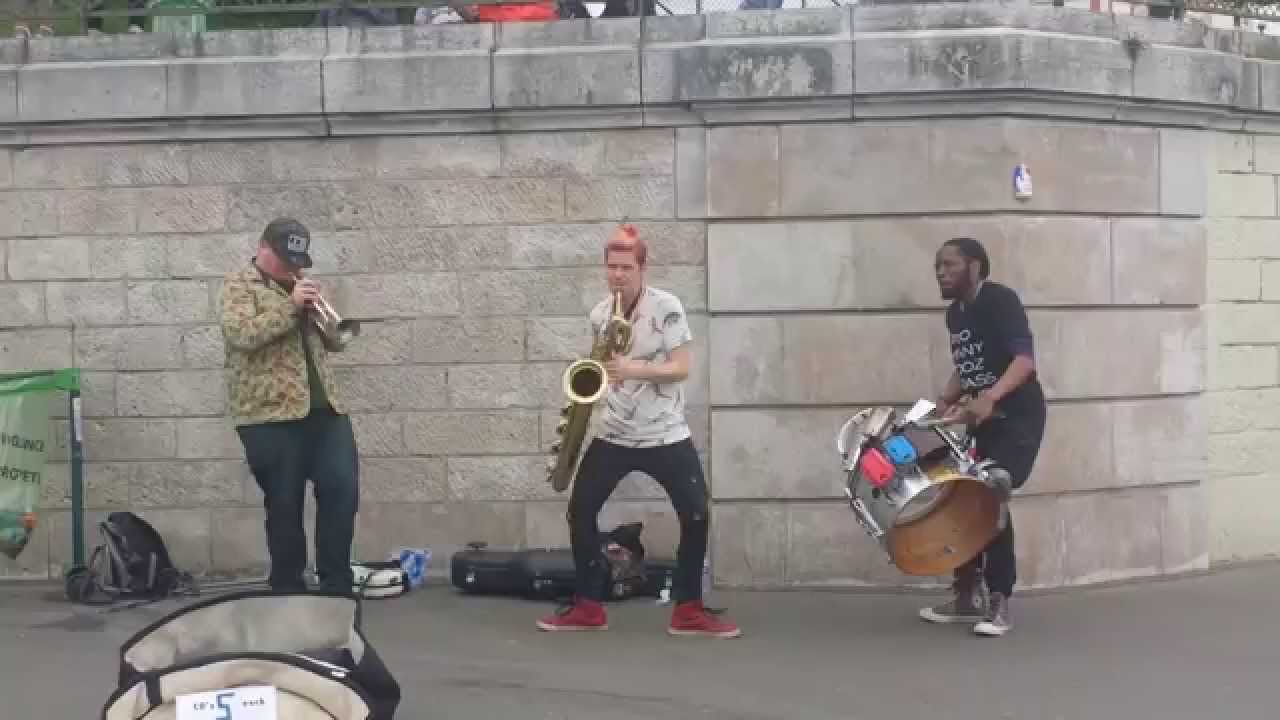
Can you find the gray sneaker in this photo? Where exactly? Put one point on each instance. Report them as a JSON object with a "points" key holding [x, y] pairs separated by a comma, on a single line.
{"points": [[997, 622], [968, 605]]}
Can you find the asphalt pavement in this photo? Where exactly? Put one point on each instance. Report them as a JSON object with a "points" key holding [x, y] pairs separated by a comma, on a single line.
{"points": [[1193, 648]]}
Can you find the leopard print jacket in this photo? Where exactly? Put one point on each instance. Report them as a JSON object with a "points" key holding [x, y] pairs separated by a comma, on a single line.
{"points": [[268, 370]]}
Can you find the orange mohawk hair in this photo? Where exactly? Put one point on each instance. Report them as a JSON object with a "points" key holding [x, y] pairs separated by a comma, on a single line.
{"points": [[626, 239]]}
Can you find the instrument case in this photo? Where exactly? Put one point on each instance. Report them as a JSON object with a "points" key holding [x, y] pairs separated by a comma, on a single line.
{"points": [[540, 573]]}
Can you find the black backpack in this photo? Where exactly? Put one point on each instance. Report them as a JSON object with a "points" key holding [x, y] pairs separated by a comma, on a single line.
{"points": [[131, 563]]}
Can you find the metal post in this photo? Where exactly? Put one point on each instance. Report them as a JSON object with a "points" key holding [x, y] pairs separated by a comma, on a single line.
{"points": [[77, 480]]}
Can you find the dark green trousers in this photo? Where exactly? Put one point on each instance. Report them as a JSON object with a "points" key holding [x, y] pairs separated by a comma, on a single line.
{"points": [[282, 456]]}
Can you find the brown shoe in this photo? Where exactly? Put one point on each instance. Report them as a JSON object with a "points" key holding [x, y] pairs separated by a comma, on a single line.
{"points": [[968, 605]]}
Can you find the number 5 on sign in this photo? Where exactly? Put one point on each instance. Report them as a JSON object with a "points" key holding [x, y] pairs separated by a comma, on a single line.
{"points": [[252, 702]]}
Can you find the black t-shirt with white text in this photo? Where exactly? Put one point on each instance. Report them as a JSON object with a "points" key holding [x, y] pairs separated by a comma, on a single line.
{"points": [[985, 337]]}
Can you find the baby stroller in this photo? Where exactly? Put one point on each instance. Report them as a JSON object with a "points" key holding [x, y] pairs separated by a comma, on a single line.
{"points": [[301, 654]]}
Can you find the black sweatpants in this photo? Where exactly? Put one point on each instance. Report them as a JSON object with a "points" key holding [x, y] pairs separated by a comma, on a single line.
{"points": [[676, 468], [282, 456], [1014, 444]]}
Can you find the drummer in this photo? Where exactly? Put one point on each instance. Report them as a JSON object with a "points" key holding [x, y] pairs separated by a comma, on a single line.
{"points": [[993, 388]]}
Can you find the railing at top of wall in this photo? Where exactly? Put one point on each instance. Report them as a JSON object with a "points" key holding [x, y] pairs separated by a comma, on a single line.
{"points": [[68, 17]]}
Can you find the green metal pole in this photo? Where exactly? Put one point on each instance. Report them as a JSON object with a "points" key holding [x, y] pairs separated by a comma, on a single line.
{"points": [[77, 480]]}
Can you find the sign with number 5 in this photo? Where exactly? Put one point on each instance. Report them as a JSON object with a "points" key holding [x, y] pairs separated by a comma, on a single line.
{"points": [[251, 702]]}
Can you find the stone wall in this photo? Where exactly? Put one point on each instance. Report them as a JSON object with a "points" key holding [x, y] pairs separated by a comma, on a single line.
{"points": [[795, 172], [1244, 289]]}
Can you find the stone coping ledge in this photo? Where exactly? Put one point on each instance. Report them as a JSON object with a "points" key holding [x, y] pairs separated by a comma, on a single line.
{"points": [[869, 61]]}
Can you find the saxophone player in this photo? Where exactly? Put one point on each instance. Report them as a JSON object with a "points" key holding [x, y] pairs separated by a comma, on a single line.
{"points": [[287, 408], [642, 429]]}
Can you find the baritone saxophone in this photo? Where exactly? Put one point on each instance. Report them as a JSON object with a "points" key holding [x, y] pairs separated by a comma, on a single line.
{"points": [[584, 382]]}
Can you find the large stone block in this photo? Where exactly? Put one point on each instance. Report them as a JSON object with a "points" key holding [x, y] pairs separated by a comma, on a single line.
{"points": [[208, 439], [472, 433], [409, 69], [165, 302], [801, 53], [1242, 410], [99, 212], [606, 198], [1190, 75], [467, 339], [400, 250], [749, 545], [741, 172], [379, 434], [179, 484], [775, 454], [1244, 366], [527, 292], [1112, 536], [56, 92], [380, 343], [1077, 452], [889, 263], [410, 157], [1161, 441], [1242, 453], [1234, 280], [171, 394], [182, 210], [1245, 323], [1270, 280], [1166, 352], [1241, 518], [35, 349], [28, 213], [564, 339], [86, 303], [1182, 248], [566, 64], [129, 439], [8, 93], [1186, 162], [251, 207], [1234, 152], [238, 86], [457, 202], [405, 480], [391, 389], [23, 305], [128, 348], [1241, 195], [58, 258], [403, 295], [806, 359], [993, 60], [486, 386], [746, 360], [101, 166], [499, 478], [239, 547], [127, 257], [971, 163]]}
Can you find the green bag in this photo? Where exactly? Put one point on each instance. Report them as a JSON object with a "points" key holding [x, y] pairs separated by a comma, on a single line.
{"points": [[24, 450]]}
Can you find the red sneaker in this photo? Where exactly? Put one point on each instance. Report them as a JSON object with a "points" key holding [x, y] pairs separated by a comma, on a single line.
{"points": [[691, 618], [581, 615]]}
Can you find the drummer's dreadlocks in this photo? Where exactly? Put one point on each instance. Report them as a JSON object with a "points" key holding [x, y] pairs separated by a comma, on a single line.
{"points": [[972, 250]]}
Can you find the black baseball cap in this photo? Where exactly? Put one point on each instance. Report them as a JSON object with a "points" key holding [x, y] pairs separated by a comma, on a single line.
{"points": [[290, 240]]}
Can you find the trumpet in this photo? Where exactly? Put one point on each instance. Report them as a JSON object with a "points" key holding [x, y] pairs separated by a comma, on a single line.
{"points": [[338, 332]]}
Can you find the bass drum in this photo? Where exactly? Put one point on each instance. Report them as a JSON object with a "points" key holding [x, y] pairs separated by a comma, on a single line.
{"points": [[930, 517]]}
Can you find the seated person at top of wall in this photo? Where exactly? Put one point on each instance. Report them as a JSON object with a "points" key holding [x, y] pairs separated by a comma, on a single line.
{"points": [[544, 10]]}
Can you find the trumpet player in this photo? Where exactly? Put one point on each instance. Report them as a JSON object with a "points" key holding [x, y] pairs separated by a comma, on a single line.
{"points": [[288, 410], [642, 429]]}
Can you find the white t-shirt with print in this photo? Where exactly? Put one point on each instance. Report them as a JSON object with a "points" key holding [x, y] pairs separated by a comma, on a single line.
{"points": [[642, 413]]}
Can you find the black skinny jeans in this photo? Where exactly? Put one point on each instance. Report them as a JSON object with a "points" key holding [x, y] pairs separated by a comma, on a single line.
{"points": [[282, 456], [1014, 443], [676, 468]]}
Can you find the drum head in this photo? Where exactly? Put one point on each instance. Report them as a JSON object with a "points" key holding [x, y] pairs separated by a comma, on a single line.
{"points": [[944, 527]]}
